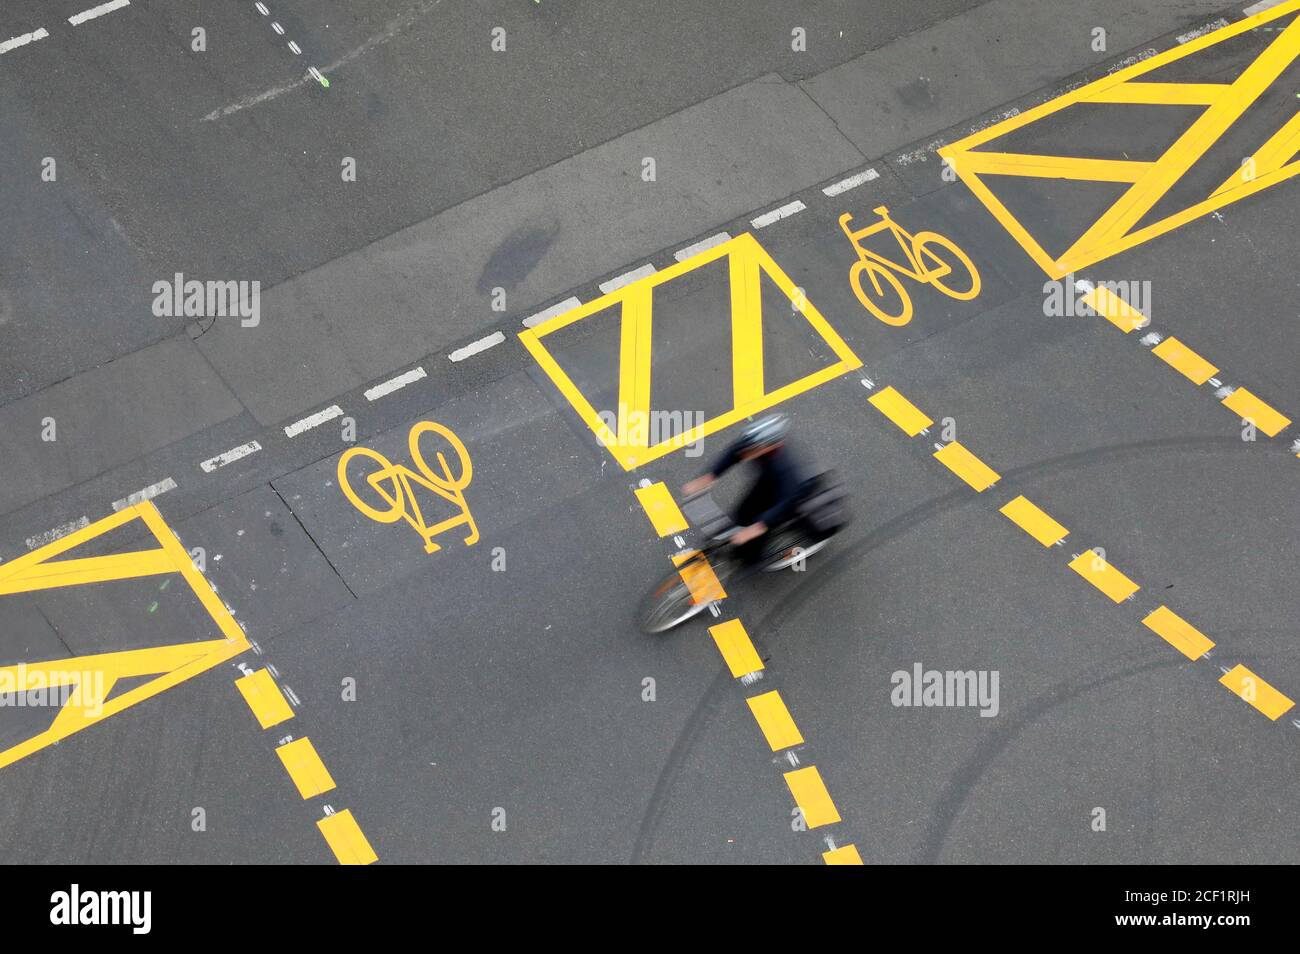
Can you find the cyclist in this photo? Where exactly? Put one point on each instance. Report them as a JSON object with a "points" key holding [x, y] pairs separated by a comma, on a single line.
{"points": [[776, 489]]}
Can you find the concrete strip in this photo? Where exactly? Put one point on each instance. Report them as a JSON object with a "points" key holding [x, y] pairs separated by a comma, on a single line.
{"points": [[361, 316]]}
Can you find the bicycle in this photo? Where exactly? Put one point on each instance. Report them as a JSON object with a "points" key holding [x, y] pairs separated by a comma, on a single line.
{"points": [[392, 482], [921, 249], [702, 573]]}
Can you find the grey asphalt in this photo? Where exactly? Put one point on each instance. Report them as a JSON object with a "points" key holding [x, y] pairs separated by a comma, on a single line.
{"points": [[521, 692]]}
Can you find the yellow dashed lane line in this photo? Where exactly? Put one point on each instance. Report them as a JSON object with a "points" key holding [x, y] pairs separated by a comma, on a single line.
{"points": [[305, 768], [1091, 565], [1186, 362], [1244, 683], [737, 649], [264, 698]]}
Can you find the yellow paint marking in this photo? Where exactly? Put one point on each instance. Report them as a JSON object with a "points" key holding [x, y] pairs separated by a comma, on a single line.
{"points": [[775, 720], [1054, 167], [305, 767], [1256, 691], [391, 496], [1250, 408], [1115, 309], [1161, 94], [1115, 230], [699, 578], [844, 855], [748, 261], [1034, 521], [1177, 632], [910, 419], [1184, 360], [736, 647], [966, 465], [659, 506], [264, 698], [1092, 566], [94, 677], [346, 840], [1280, 149], [810, 795]]}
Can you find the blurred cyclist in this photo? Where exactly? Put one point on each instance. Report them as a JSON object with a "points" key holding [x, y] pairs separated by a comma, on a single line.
{"points": [[776, 489]]}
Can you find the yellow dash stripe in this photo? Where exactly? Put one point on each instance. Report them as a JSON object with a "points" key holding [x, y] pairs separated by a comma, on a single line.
{"points": [[1256, 691], [1248, 407], [264, 698], [845, 855], [774, 719], [811, 796], [1178, 633], [1114, 309], [700, 579], [662, 510], [345, 839], [1034, 521], [966, 465], [305, 767], [1184, 360], [911, 419], [1092, 566], [736, 648]]}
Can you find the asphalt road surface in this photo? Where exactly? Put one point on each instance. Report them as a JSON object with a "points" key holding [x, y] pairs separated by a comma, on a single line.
{"points": [[327, 335]]}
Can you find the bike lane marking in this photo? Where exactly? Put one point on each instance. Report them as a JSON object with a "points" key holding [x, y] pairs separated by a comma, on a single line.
{"points": [[1116, 229], [1177, 632], [775, 723], [1191, 365]]}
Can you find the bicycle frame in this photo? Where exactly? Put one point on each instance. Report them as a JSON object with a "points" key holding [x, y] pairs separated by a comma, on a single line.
{"points": [[402, 477], [905, 239]]}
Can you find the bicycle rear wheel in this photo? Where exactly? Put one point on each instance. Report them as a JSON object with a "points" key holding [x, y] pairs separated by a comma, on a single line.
{"points": [[882, 294]]}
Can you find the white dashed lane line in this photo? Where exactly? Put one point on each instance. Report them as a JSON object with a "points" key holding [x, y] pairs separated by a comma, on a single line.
{"points": [[313, 420], [49, 536], [474, 347], [148, 493], [703, 245], [532, 321], [230, 456], [394, 384], [16, 42], [79, 18], [627, 278], [852, 182], [776, 215]]}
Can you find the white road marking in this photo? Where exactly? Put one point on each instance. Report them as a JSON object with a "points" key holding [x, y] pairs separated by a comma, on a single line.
{"points": [[293, 696], [776, 215], [277, 28], [627, 278], [1201, 31], [1260, 7], [1152, 339], [79, 18], [261, 8], [395, 384], [852, 182], [296, 49], [393, 28], [314, 420], [23, 40], [49, 536], [148, 493], [703, 245], [474, 347], [532, 321], [230, 456], [1130, 60]]}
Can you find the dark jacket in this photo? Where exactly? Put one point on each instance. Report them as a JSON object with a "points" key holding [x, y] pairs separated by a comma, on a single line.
{"points": [[776, 487]]}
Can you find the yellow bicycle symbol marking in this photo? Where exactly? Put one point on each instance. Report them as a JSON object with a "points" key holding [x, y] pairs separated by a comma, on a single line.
{"points": [[925, 264], [392, 483]]}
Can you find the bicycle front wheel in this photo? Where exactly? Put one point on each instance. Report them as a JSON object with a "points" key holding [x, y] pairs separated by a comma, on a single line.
{"points": [[937, 254], [886, 300]]}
